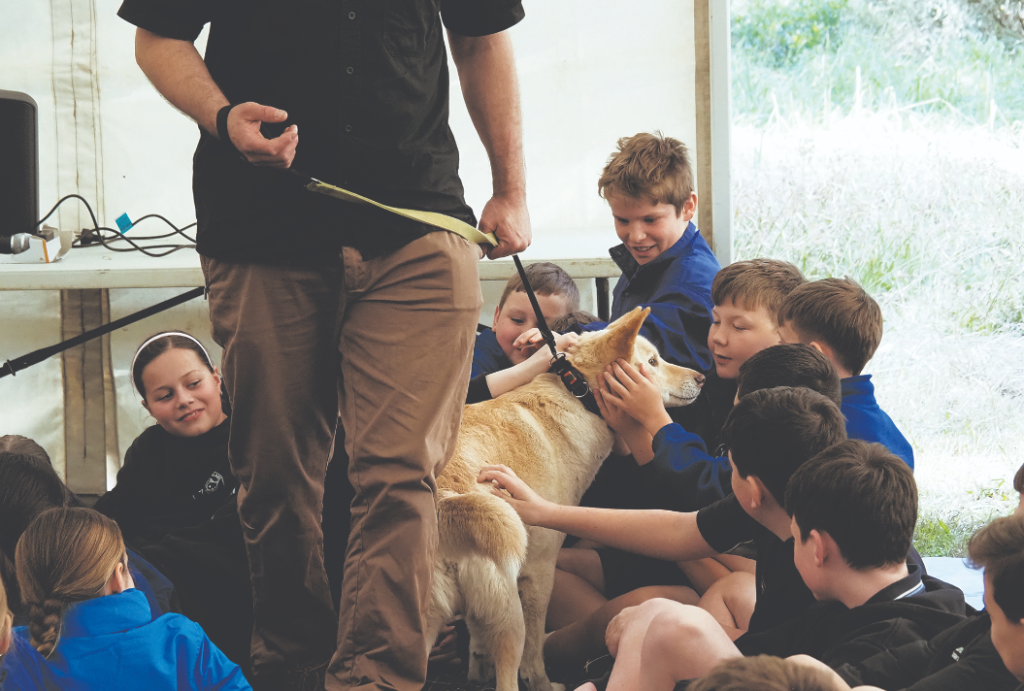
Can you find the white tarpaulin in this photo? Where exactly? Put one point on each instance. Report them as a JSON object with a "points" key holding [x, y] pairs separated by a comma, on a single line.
{"points": [[590, 72]]}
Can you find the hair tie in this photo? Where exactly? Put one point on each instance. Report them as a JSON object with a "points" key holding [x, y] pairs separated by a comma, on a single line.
{"points": [[165, 334]]}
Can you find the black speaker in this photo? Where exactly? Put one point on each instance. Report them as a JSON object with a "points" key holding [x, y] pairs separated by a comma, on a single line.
{"points": [[19, 163]]}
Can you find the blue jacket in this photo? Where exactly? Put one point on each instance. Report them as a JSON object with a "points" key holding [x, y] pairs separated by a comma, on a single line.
{"points": [[111, 643], [488, 356], [865, 420], [676, 285], [683, 476]]}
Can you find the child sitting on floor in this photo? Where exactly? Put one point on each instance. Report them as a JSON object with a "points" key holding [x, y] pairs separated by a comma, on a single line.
{"points": [[89, 624], [594, 584], [963, 656], [854, 507], [498, 367], [666, 264], [176, 474], [836, 316], [557, 295], [770, 433]]}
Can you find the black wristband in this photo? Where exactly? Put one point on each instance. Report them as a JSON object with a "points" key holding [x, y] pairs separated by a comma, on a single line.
{"points": [[222, 128]]}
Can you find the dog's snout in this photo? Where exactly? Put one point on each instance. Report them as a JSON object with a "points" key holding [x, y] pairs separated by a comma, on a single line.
{"points": [[699, 379]]}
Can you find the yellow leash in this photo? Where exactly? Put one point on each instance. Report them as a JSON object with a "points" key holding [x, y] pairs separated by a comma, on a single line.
{"points": [[432, 218]]}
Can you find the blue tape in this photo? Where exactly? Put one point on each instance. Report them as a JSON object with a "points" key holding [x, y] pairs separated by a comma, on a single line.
{"points": [[124, 224]]}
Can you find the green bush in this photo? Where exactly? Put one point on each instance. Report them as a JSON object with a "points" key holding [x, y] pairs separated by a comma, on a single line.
{"points": [[778, 34], [813, 57]]}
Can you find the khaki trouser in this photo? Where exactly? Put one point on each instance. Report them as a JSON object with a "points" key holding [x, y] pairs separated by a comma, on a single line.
{"points": [[385, 344]]}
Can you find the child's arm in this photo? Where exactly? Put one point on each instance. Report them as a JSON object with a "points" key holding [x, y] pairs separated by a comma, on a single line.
{"points": [[665, 535], [631, 432], [523, 373]]}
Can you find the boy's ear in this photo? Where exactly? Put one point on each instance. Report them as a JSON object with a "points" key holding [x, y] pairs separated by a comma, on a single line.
{"points": [[755, 489], [820, 542], [689, 207], [759, 490], [497, 311]]}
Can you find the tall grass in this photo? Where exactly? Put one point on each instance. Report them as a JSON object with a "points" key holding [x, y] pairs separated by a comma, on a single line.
{"points": [[817, 57], [924, 207]]}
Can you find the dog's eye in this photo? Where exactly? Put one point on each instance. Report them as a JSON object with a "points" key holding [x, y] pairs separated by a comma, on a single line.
{"points": [[653, 362]]}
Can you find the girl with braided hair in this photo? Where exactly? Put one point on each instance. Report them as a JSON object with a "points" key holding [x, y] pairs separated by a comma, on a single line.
{"points": [[89, 628]]}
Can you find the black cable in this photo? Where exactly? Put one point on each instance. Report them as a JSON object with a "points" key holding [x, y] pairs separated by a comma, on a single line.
{"points": [[117, 236]]}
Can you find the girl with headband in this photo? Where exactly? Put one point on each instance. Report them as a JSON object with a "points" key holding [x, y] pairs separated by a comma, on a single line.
{"points": [[176, 473]]}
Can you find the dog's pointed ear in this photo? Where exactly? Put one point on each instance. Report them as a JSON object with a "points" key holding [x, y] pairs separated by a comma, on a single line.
{"points": [[623, 331]]}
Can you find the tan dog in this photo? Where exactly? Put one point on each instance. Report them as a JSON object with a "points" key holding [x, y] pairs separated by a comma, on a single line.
{"points": [[492, 569]]}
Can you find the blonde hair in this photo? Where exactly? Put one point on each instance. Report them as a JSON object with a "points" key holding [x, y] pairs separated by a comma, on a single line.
{"points": [[652, 166], [762, 673], [64, 556]]}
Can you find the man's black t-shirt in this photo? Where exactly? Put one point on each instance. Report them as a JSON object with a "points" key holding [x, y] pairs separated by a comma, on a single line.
{"points": [[365, 81], [781, 593]]}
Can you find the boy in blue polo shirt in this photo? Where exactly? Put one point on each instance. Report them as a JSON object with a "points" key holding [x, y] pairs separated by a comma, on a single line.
{"points": [[837, 317], [666, 264]]}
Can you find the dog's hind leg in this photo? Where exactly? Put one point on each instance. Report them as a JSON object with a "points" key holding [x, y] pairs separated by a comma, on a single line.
{"points": [[535, 584], [495, 622]]}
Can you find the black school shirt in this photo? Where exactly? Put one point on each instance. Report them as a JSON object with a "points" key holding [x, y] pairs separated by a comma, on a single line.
{"points": [[169, 482], [366, 81], [912, 609], [781, 593], [961, 658]]}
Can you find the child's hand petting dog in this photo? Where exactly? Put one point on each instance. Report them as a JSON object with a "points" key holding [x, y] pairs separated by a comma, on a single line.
{"points": [[629, 432], [531, 507], [634, 392]]}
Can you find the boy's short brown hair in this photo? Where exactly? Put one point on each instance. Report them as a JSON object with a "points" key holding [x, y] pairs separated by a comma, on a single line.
{"points": [[755, 283], [863, 496], [545, 279], [1018, 480], [772, 432], [572, 321], [999, 549], [652, 166], [839, 313], [762, 673], [793, 364]]}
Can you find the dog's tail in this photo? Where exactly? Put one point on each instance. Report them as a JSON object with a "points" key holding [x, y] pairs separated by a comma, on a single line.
{"points": [[481, 524]]}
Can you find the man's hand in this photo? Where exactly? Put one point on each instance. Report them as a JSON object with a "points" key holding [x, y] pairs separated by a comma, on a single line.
{"points": [[532, 508], [635, 393], [244, 122], [509, 220]]}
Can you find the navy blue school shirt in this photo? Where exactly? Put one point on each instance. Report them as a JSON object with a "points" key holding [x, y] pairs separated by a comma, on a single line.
{"points": [[488, 357], [961, 658], [781, 592], [866, 421], [683, 476], [913, 608], [676, 285]]}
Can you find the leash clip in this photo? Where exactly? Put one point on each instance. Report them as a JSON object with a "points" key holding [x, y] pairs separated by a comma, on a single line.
{"points": [[571, 378]]}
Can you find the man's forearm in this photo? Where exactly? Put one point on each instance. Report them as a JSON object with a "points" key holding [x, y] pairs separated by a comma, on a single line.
{"points": [[178, 72], [490, 88]]}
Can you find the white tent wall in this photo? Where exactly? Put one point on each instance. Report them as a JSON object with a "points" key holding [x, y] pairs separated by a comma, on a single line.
{"points": [[590, 72]]}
